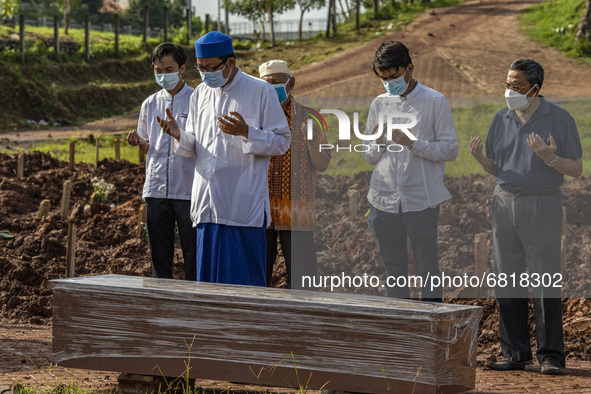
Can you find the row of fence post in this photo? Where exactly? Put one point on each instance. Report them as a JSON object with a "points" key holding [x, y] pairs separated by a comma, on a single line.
{"points": [[56, 34]]}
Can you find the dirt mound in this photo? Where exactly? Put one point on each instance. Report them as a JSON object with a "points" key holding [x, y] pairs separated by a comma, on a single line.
{"points": [[107, 241]]}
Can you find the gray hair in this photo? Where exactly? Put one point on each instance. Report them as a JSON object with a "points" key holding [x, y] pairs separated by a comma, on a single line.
{"points": [[531, 69]]}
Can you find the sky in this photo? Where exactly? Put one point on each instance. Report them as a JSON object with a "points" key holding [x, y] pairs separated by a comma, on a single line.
{"points": [[203, 7]]}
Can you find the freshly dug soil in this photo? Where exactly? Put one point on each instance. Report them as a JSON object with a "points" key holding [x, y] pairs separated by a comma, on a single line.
{"points": [[107, 240]]}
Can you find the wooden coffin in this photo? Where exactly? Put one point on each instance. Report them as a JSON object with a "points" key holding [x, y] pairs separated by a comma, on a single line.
{"points": [[263, 336]]}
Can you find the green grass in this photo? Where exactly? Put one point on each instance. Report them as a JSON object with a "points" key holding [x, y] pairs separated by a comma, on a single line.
{"points": [[85, 149], [554, 23], [469, 121], [102, 45]]}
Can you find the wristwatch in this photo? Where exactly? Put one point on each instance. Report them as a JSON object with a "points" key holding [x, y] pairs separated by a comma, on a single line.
{"points": [[552, 162]]}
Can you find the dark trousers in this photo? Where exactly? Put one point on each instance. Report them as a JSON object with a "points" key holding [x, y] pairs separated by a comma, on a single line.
{"points": [[527, 233], [162, 214], [299, 253], [391, 231]]}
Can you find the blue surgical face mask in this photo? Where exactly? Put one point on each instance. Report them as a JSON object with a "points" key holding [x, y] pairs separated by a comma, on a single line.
{"points": [[167, 81], [213, 79], [281, 91], [396, 86]]}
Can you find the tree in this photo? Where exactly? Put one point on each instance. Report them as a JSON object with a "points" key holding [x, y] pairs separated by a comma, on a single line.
{"points": [[584, 29], [255, 11], [66, 7], [305, 6], [8, 8], [176, 12]]}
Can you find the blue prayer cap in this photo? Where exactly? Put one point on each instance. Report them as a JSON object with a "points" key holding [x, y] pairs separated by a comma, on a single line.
{"points": [[213, 44]]}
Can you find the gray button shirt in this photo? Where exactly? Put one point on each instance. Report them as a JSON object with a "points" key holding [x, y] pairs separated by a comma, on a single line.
{"points": [[516, 163]]}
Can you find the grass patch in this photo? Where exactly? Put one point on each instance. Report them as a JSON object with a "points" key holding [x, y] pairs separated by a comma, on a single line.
{"points": [[554, 23], [85, 149], [469, 121]]}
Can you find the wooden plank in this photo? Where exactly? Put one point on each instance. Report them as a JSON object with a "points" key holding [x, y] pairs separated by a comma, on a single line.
{"points": [[20, 166], [141, 219], [353, 202], [117, 149], [96, 153], [72, 154], [66, 192], [260, 335], [71, 250], [44, 208], [480, 260]]}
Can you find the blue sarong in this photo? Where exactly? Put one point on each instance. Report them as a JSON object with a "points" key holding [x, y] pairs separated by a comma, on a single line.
{"points": [[231, 254]]}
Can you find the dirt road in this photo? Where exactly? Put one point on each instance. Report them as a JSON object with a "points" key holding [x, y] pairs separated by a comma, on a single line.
{"points": [[462, 51]]}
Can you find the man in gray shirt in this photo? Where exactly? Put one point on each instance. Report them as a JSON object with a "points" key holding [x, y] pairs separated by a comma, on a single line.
{"points": [[530, 146]]}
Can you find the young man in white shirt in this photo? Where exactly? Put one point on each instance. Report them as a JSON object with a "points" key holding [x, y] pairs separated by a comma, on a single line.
{"points": [[406, 186], [167, 189], [235, 124]]}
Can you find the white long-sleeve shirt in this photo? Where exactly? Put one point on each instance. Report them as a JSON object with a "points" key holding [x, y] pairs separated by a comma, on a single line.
{"points": [[412, 178], [230, 185], [167, 175]]}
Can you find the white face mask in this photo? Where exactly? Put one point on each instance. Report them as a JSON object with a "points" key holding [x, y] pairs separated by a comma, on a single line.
{"points": [[518, 101]]}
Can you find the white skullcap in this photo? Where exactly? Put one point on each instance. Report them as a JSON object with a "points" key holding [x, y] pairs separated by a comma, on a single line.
{"points": [[274, 67]]}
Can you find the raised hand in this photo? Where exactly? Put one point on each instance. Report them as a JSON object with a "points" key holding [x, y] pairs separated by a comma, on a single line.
{"points": [[169, 126], [546, 152], [233, 125]]}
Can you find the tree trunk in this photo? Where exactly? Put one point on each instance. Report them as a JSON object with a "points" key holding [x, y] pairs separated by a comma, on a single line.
{"points": [[376, 9], [66, 22], [584, 27], [301, 23], [271, 27]]}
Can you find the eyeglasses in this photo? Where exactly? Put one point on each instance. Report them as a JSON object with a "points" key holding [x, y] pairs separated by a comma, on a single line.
{"points": [[209, 69], [515, 88]]}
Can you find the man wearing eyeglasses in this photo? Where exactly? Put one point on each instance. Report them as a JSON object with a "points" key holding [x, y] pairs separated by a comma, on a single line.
{"points": [[531, 145], [235, 124]]}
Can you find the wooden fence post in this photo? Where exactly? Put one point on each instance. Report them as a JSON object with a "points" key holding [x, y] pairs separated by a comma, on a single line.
{"points": [[20, 166], [67, 191], [22, 36], [353, 202], [165, 17], [117, 149], [116, 23], [480, 261], [44, 208], [189, 24], [72, 154], [87, 35], [56, 35], [207, 23], [146, 21], [563, 243], [71, 250], [96, 153], [141, 219]]}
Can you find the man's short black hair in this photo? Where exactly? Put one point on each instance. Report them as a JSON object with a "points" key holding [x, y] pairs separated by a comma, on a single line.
{"points": [[531, 69], [391, 54], [167, 48], [226, 57]]}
